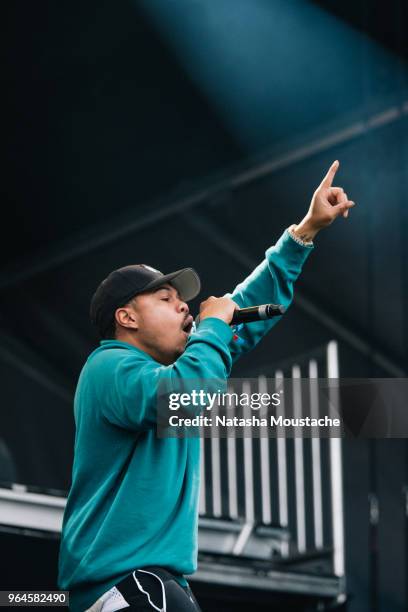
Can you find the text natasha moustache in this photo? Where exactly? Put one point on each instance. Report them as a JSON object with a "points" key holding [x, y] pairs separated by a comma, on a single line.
{"points": [[252, 421]]}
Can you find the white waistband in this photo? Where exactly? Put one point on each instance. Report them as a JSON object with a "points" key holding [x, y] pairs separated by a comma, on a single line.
{"points": [[110, 601]]}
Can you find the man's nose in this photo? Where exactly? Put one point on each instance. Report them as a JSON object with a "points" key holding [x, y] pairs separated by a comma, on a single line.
{"points": [[183, 307]]}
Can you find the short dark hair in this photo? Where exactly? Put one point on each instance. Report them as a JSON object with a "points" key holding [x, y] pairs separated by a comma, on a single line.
{"points": [[110, 332]]}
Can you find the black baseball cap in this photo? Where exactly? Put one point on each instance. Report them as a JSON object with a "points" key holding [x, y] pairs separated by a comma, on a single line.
{"points": [[123, 284]]}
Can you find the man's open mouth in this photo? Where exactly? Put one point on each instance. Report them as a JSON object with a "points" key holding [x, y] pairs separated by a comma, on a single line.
{"points": [[188, 324]]}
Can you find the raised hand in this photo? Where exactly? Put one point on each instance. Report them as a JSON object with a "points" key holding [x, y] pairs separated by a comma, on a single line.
{"points": [[327, 204]]}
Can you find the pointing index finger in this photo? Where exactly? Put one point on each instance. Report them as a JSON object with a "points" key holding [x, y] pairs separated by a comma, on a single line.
{"points": [[328, 179]]}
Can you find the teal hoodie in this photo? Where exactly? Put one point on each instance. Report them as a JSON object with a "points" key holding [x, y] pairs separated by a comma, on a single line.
{"points": [[134, 497]]}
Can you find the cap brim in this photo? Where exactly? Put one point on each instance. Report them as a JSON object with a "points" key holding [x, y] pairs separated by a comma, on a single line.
{"points": [[186, 281]]}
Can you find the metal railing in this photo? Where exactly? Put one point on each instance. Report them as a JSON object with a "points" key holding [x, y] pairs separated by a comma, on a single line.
{"points": [[278, 498]]}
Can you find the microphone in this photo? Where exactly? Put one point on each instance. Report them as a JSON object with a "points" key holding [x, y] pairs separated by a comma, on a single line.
{"points": [[257, 313], [254, 313]]}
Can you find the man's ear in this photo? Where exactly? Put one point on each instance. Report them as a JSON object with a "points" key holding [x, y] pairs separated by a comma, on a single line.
{"points": [[126, 317]]}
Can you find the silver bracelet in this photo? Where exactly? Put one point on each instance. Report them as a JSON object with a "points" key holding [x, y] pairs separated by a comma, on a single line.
{"points": [[297, 239]]}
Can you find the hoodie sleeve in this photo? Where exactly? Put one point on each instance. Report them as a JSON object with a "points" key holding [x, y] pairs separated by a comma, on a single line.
{"points": [[131, 386], [272, 282]]}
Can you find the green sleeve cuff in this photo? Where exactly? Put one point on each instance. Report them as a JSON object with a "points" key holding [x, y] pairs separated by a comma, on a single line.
{"points": [[288, 238], [291, 251], [222, 329]]}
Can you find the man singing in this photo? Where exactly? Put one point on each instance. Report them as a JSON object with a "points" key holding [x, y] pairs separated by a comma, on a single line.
{"points": [[130, 525]]}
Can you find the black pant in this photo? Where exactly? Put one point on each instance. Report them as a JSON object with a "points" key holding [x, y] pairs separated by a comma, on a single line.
{"points": [[155, 588]]}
